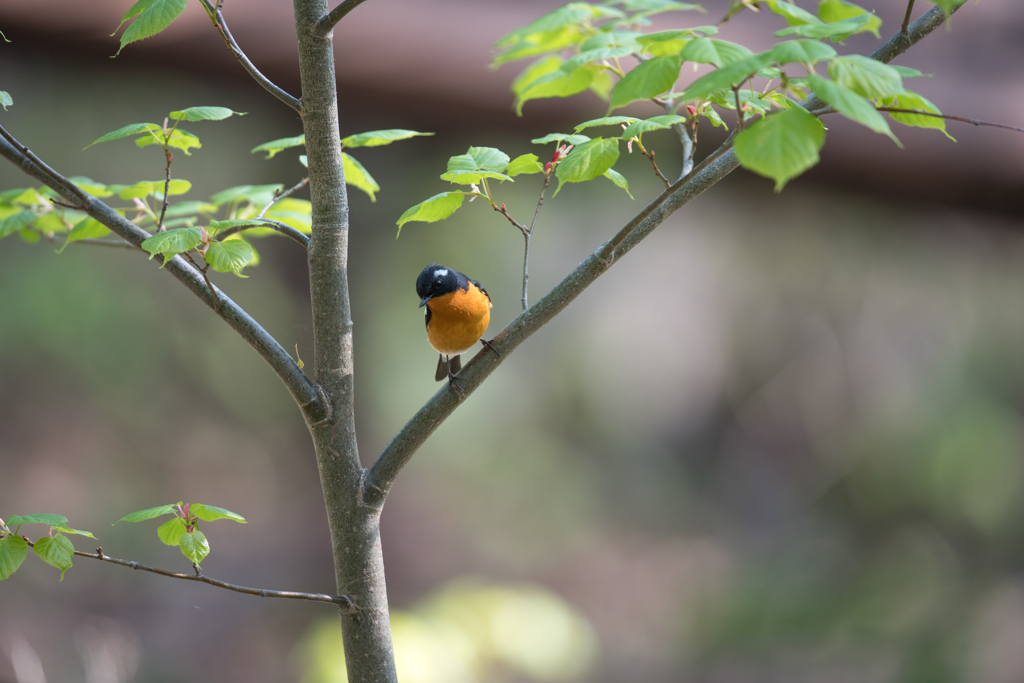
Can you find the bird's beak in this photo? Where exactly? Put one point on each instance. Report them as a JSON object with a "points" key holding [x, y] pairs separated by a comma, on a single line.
{"points": [[424, 301]]}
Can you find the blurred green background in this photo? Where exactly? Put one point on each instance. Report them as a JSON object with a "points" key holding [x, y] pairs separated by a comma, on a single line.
{"points": [[780, 441]]}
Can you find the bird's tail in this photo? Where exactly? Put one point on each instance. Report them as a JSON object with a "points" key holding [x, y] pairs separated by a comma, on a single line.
{"points": [[443, 366]]}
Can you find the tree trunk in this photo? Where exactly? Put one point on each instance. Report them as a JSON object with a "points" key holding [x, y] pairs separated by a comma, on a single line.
{"points": [[355, 528]]}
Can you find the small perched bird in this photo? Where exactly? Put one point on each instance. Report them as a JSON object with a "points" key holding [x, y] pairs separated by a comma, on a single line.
{"points": [[458, 312]]}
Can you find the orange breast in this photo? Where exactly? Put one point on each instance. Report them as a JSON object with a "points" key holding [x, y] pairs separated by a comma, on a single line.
{"points": [[458, 320]]}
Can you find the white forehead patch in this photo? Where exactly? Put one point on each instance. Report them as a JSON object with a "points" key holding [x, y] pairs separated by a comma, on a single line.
{"points": [[441, 272]]}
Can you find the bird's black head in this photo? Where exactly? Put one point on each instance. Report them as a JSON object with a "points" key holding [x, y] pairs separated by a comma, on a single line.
{"points": [[436, 280]]}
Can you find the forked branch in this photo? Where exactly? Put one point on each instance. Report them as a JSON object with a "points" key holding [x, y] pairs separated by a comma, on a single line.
{"points": [[327, 24], [404, 445]]}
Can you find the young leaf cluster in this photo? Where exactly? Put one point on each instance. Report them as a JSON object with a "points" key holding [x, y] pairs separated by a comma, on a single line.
{"points": [[55, 549], [356, 174], [608, 49], [182, 530]]}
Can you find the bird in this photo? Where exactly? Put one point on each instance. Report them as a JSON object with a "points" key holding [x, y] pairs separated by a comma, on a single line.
{"points": [[458, 311]]}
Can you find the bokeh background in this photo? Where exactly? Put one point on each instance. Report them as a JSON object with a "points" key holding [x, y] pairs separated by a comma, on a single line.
{"points": [[782, 440]]}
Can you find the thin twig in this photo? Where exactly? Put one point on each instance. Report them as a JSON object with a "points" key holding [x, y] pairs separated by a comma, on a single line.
{"points": [[657, 171], [65, 204], [327, 24], [278, 197], [526, 237], [504, 212], [217, 17], [203, 269], [282, 228], [340, 600], [167, 187], [961, 119], [906, 17], [739, 107]]}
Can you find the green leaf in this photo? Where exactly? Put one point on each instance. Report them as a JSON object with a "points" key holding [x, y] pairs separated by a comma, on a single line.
{"points": [[489, 159], [642, 126], [587, 161], [717, 52], [850, 104], [793, 15], [605, 121], [69, 530], [87, 228], [229, 256], [275, 146], [911, 100], [357, 176], [837, 31], [91, 186], [611, 39], [210, 513], [567, 138], [177, 138], [561, 18], [647, 80], [257, 194], [556, 84], [907, 72], [599, 54], [194, 546], [726, 77], [171, 531], [52, 520], [151, 513], [173, 242], [526, 163], [471, 177], [215, 227], [57, 552], [377, 138], [190, 208], [541, 67], [177, 186], [13, 550], [866, 76], [832, 11], [437, 208], [648, 8], [15, 223], [619, 180], [781, 146], [297, 213], [647, 39], [539, 43], [154, 17], [204, 114], [127, 131], [802, 51], [5, 99]]}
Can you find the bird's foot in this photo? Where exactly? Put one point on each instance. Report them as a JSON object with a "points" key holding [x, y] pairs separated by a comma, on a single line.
{"points": [[490, 346], [454, 384]]}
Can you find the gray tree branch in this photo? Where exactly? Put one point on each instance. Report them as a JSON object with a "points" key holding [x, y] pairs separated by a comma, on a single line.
{"points": [[354, 526], [217, 17], [404, 445], [302, 389], [327, 24]]}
